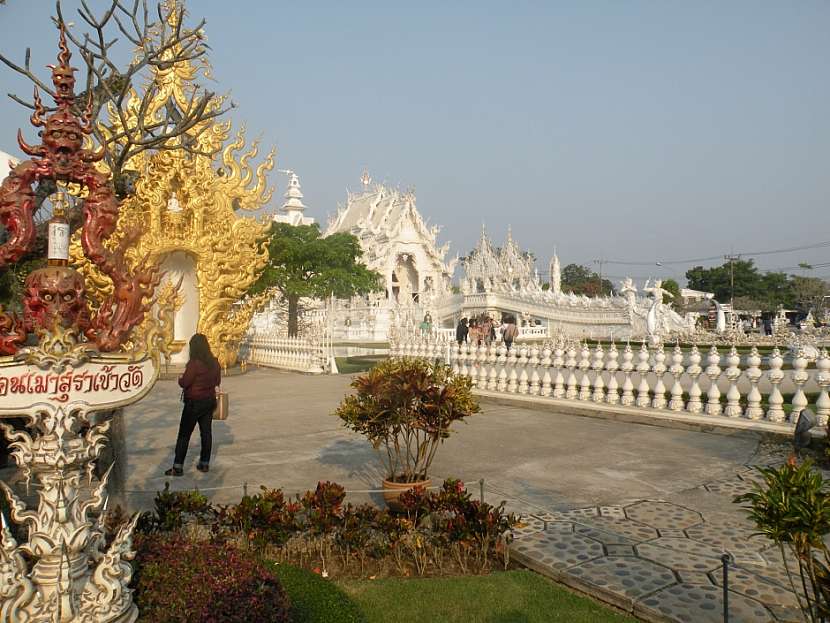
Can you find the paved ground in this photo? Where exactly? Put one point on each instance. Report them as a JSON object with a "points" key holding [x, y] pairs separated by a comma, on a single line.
{"points": [[636, 514]]}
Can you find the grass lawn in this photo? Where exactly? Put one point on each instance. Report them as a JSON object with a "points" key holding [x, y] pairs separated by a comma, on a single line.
{"points": [[503, 597]]}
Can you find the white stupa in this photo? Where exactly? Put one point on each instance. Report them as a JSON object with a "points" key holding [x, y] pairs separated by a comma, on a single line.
{"points": [[293, 208]]}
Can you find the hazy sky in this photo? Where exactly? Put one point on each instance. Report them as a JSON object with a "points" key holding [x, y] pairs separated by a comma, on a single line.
{"points": [[630, 131]]}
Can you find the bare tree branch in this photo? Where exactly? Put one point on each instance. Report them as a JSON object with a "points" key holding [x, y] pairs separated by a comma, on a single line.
{"points": [[159, 46]]}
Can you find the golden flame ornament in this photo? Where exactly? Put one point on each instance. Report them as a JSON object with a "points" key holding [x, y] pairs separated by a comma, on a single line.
{"points": [[187, 201]]}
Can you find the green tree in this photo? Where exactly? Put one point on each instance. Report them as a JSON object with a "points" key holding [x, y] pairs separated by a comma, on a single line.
{"points": [[582, 280], [304, 264], [809, 292], [769, 289], [671, 286]]}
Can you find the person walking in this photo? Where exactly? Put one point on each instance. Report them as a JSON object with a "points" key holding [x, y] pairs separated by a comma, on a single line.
{"points": [[461, 331], [509, 331], [201, 377]]}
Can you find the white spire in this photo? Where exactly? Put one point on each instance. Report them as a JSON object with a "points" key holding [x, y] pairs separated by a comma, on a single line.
{"points": [[555, 274], [293, 208]]}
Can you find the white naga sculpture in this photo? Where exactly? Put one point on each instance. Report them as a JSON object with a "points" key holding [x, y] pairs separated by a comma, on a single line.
{"points": [[629, 291]]}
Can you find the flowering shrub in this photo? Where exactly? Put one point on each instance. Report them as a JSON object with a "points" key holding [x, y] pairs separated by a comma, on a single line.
{"points": [[407, 406], [173, 509], [183, 580], [319, 532], [262, 518]]}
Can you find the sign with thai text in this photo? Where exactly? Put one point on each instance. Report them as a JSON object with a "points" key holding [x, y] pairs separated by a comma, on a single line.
{"points": [[94, 385]]}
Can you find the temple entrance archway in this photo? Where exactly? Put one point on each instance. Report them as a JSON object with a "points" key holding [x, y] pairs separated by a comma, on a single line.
{"points": [[406, 275], [182, 265]]}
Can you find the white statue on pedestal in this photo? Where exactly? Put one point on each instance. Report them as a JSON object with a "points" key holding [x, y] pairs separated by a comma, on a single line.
{"points": [[654, 319], [629, 291]]}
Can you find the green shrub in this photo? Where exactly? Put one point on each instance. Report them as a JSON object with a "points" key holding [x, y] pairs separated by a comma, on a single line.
{"points": [[315, 600], [173, 509], [792, 508], [262, 518], [407, 407], [182, 580]]}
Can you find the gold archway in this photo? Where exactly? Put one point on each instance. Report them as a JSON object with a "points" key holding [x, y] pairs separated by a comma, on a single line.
{"points": [[187, 200]]}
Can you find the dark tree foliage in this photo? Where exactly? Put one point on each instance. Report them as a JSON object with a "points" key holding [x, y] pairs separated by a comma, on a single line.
{"points": [[582, 280], [304, 264]]}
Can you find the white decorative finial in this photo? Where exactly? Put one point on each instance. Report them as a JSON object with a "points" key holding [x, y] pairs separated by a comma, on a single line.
{"points": [[365, 179]]}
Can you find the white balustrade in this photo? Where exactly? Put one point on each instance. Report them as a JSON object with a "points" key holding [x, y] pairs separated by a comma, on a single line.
{"points": [[567, 370]]}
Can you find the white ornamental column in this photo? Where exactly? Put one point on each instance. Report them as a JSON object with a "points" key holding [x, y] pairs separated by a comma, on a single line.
{"points": [[597, 366], [823, 382], [642, 369], [676, 370], [612, 396], [800, 377], [713, 371], [627, 368], [584, 366], [754, 411], [733, 373], [775, 412], [572, 391], [659, 401], [695, 405]]}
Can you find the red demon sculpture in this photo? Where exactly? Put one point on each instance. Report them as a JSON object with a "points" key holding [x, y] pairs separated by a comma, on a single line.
{"points": [[55, 294]]}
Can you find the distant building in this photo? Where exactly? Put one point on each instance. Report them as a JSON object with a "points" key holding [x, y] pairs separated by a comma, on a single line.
{"points": [[694, 296], [293, 208]]}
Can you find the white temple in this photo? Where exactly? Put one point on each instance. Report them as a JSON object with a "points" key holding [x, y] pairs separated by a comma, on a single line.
{"points": [[292, 211], [504, 280], [397, 243]]}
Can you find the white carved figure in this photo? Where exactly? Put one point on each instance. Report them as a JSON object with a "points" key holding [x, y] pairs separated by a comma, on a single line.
{"points": [[654, 319]]}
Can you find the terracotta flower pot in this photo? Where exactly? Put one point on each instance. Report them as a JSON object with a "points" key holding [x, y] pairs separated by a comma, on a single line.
{"points": [[391, 491]]}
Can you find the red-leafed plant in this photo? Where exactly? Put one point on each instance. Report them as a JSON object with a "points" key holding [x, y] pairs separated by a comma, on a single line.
{"points": [[407, 407], [184, 580]]}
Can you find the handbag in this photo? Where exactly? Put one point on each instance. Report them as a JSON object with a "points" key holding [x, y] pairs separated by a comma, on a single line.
{"points": [[221, 410]]}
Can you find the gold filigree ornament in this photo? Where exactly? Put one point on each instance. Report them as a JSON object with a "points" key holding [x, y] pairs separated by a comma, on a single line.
{"points": [[187, 202], [57, 349]]}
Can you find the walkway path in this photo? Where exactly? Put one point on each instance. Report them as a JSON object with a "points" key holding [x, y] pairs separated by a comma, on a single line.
{"points": [[637, 515]]}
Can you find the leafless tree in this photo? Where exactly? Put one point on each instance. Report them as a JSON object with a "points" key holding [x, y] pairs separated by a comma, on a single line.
{"points": [[155, 45]]}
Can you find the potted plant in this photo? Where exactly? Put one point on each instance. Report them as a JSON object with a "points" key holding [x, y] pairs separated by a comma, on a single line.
{"points": [[405, 408]]}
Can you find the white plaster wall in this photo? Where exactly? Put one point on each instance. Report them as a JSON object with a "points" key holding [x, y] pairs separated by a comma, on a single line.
{"points": [[178, 265]]}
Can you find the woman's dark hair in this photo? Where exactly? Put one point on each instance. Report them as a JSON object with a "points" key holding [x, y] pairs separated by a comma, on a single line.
{"points": [[200, 349]]}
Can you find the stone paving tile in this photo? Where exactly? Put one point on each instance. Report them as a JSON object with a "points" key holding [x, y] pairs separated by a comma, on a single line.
{"points": [[617, 512], [694, 577], [663, 515], [697, 603], [629, 577], [620, 550], [576, 514], [728, 537], [673, 532], [558, 550], [757, 587], [528, 524], [730, 487], [678, 559], [612, 530]]}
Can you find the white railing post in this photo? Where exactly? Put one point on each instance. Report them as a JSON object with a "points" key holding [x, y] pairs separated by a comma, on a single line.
{"points": [[584, 366], [546, 388], [713, 371], [695, 405], [775, 412], [598, 365], [754, 411], [643, 399], [659, 401], [733, 373], [558, 362], [676, 370], [800, 377], [823, 382], [572, 391], [627, 368], [612, 396]]}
